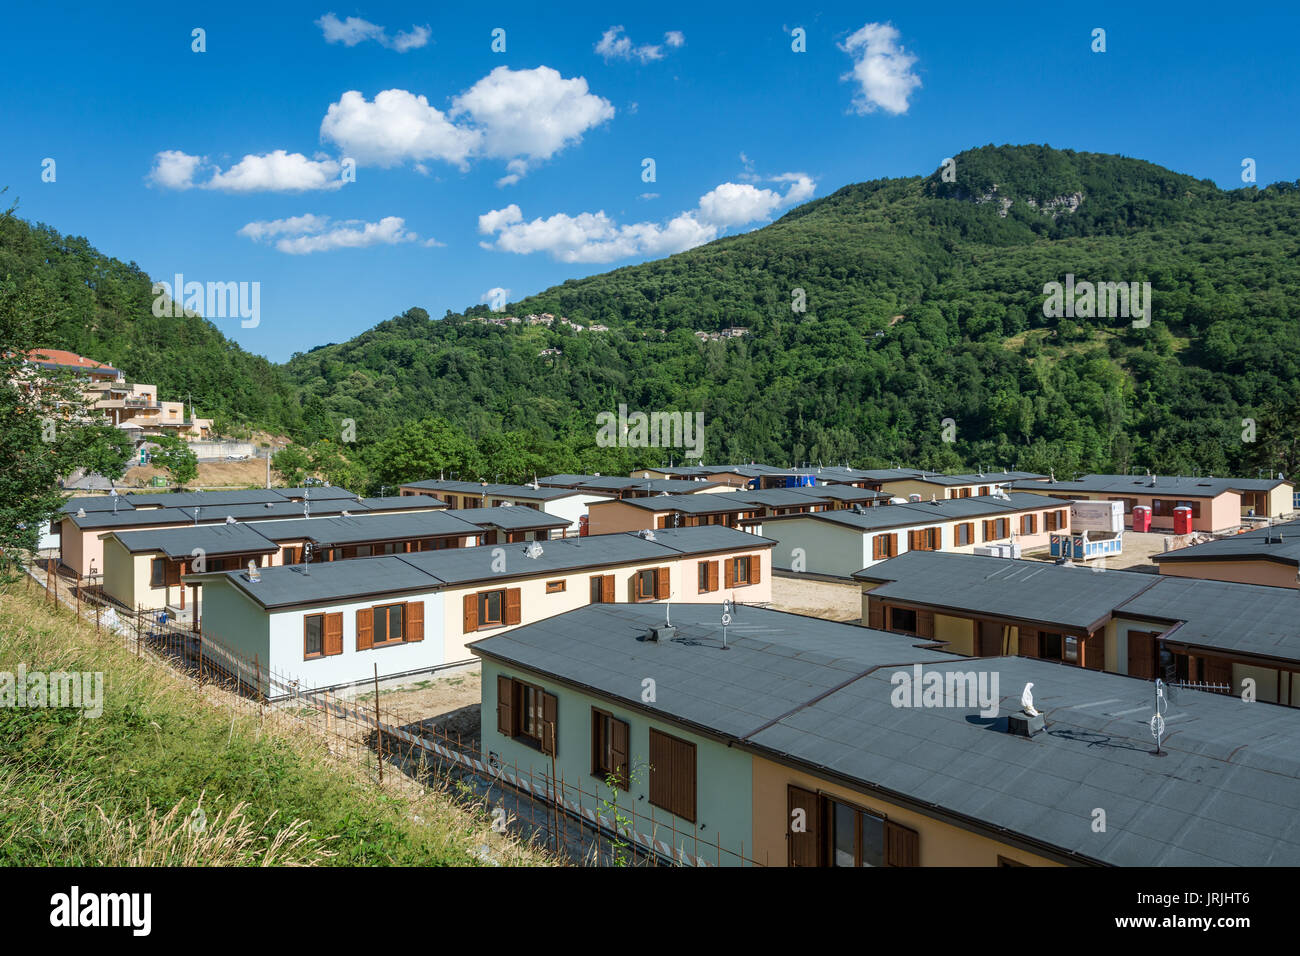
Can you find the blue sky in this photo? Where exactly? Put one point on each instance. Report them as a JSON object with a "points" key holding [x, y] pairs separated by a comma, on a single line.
{"points": [[228, 165]]}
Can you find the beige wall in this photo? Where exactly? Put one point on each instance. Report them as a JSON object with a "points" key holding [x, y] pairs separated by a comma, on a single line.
{"points": [[941, 844], [1217, 514], [537, 605], [610, 517], [958, 632], [1242, 572], [81, 548]]}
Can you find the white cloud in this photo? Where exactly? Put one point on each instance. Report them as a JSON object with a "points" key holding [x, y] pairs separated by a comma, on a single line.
{"points": [[675, 38], [523, 116], [595, 237], [355, 30], [614, 44], [881, 68], [396, 127], [277, 171], [173, 169], [302, 235], [496, 294]]}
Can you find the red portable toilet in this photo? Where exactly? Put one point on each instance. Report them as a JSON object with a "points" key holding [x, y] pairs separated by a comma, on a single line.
{"points": [[1182, 520], [1141, 518]]}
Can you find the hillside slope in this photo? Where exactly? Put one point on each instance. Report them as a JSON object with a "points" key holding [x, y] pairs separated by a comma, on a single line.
{"points": [[924, 301]]}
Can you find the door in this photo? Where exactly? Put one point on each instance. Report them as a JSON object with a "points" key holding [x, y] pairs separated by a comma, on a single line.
{"points": [[1142, 654]]}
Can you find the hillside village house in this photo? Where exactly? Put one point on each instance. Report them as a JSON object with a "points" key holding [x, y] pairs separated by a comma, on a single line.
{"points": [[561, 502], [327, 625], [1216, 504], [132, 407], [1122, 622], [783, 742], [618, 487], [1268, 555], [142, 569], [85, 521], [906, 483], [668, 511], [843, 541]]}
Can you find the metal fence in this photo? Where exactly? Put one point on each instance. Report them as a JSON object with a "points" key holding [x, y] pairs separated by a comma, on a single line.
{"points": [[578, 822]]}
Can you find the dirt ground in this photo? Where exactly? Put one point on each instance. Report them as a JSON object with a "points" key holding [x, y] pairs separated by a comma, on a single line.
{"points": [[450, 703], [832, 600], [212, 474]]}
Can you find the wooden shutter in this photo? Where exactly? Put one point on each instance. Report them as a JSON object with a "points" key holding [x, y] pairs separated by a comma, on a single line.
{"points": [[172, 574], [911, 541], [877, 547], [661, 583], [471, 613], [1142, 654], [607, 589], [925, 624], [755, 568], [804, 846], [1216, 670], [619, 750], [1029, 642], [729, 573], [512, 605], [672, 774], [413, 618], [875, 613], [1094, 651], [893, 544], [902, 845], [550, 723], [505, 706], [365, 628], [333, 634], [987, 530], [713, 576]]}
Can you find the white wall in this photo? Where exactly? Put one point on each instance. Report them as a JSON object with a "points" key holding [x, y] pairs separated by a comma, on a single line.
{"points": [[572, 508]]}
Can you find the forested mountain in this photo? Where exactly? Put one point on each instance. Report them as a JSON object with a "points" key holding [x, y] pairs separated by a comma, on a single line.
{"points": [[924, 301], [103, 308]]}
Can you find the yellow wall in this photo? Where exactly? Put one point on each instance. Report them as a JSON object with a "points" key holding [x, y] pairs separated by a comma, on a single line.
{"points": [[959, 632], [941, 844], [1243, 572]]}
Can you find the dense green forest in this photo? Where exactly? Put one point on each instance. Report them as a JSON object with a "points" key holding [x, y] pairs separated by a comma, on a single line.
{"points": [[964, 264], [922, 301], [102, 308]]}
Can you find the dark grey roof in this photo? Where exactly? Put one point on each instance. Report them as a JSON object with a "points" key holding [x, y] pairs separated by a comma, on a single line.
{"points": [[925, 512], [1280, 543], [318, 492], [1184, 486], [491, 490], [1070, 597], [331, 531], [783, 497], [185, 499], [592, 482], [274, 509], [837, 493], [672, 486], [1246, 618], [509, 518], [213, 539], [707, 503], [818, 694], [402, 503], [90, 503], [329, 583], [130, 518]]}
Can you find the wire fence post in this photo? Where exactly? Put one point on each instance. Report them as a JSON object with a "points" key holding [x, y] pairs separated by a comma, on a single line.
{"points": [[379, 734]]}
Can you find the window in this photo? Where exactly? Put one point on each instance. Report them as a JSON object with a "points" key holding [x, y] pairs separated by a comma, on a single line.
{"points": [[602, 589], [902, 619], [708, 576], [645, 584], [609, 748], [1059, 647], [672, 775], [832, 832], [965, 533], [491, 608], [158, 573], [1056, 520], [528, 713], [388, 624], [1028, 524], [884, 546], [313, 636], [555, 587], [857, 838], [923, 539]]}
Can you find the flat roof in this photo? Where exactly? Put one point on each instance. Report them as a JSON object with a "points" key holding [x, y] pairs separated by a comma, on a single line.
{"points": [[90, 503], [1280, 544], [214, 540], [689, 504], [489, 489], [927, 512], [1069, 597], [1157, 485], [336, 530], [819, 695], [509, 518]]}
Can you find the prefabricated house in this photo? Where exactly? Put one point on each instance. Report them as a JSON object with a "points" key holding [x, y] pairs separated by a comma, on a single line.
{"points": [[505, 524], [1268, 555], [617, 487], [1184, 631], [903, 483], [668, 511], [832, 542], [328, 625], [784, 740], [561, 502], [1212, 504]]}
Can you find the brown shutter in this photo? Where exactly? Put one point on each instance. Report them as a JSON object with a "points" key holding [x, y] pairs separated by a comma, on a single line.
{"points": [[607, 589], [987, 532], [911, 541], [902, 845], [471, 613], [661, 583], [173, 574], [1094, 651], [728, 573], [333, 634], [893, 544], [365, 628], [619, 749], [413, 618], [1029, 642], [512, 606], [713, 576], [755, 568], [925, 624], [877, 547], [875, 613], [550, 724], [804, 846], [505, 706]]}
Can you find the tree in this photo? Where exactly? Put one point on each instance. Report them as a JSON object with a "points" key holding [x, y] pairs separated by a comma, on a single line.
{"points": [[103, 450], [423, 449], [291, 463], [176, 458]]}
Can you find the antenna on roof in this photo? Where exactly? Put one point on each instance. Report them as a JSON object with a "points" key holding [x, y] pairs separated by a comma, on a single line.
{"points": [[197, 509], [230, 519]]}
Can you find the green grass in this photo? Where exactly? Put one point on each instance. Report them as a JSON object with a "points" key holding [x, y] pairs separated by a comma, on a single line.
{"points": [[120, 789]]}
